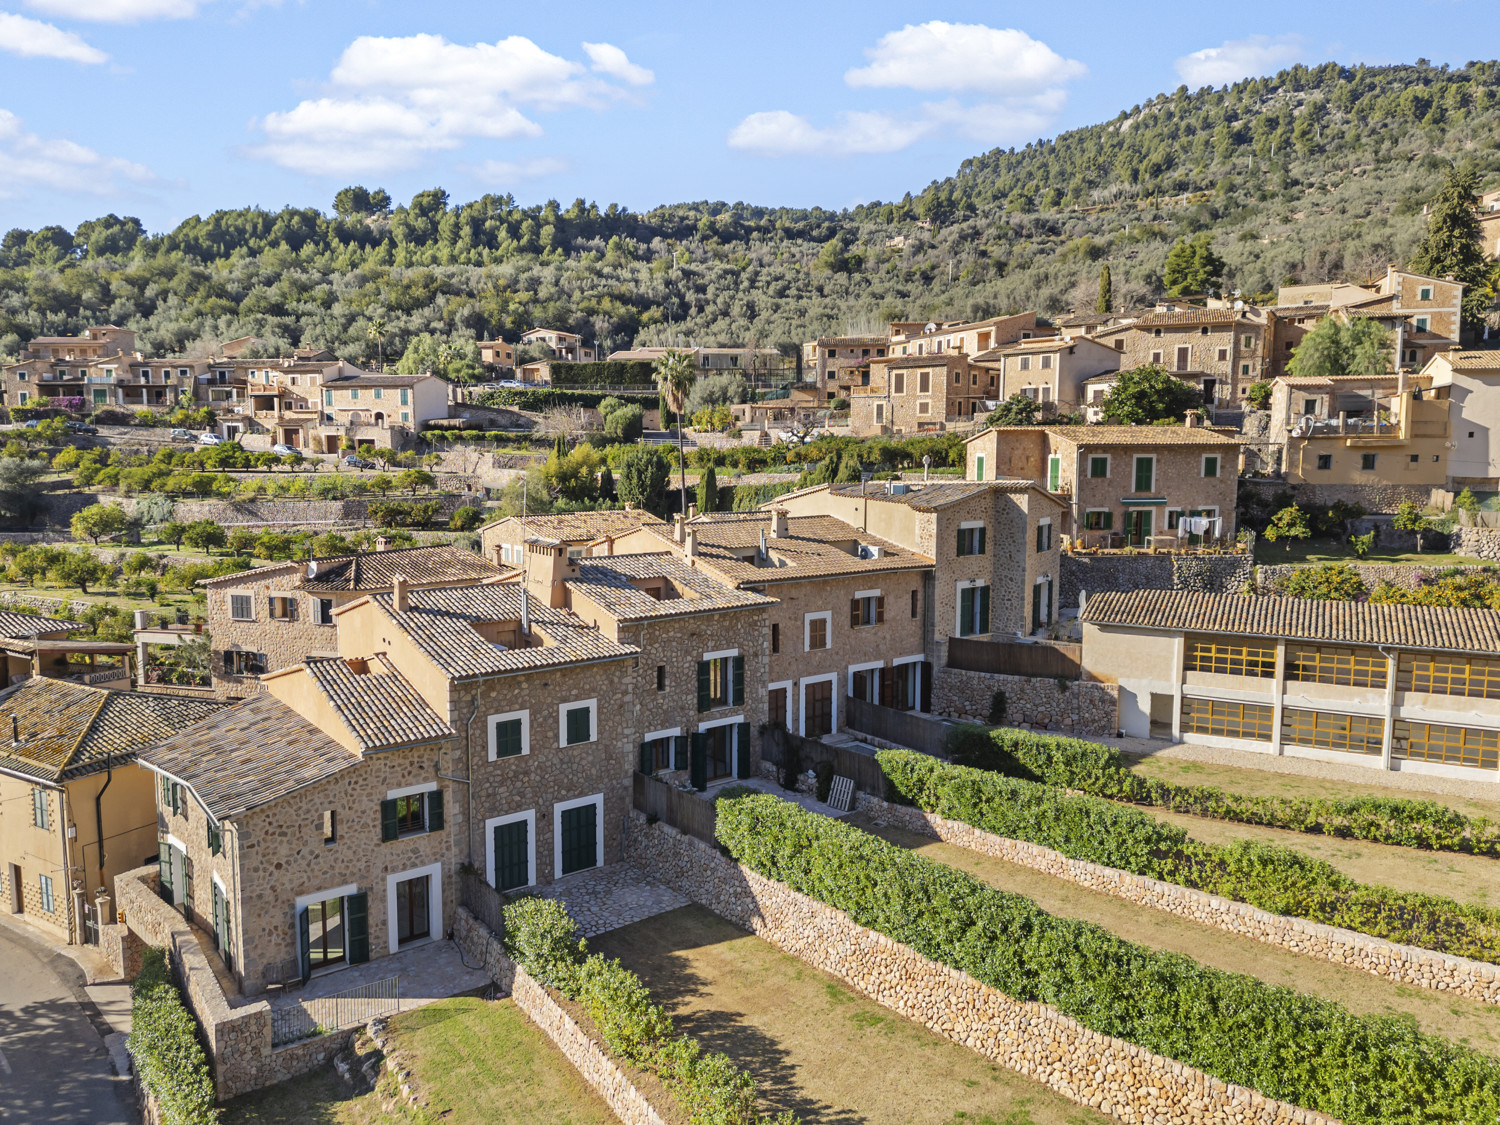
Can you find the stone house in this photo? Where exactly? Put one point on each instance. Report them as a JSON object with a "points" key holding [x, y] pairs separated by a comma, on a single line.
{"points": [[1470, 382], [1220, 350], [1049, 369], [1121, 485], [502, 540], [1414, 689], [915, 394], [1422, 313], [361, 407], [273, 617], [127, 380], [913, 338], [847, 612], [835, 365], [497, 353], [313, 826], [567, 346], [68, 781], [993, 547]]}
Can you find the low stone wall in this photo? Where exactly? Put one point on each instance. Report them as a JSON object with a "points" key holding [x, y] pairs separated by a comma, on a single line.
{"points": [[1477, 542], [1117, 1078], [60, 508], [1405, 964], [1267, 577], [1098, 574], [1372, 497], [1078, 707], [238, 1040], [598, 1069]]}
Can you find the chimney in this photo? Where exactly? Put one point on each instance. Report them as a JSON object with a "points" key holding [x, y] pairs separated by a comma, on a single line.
{"points": [[630, 505], [398, 594], [690, 548], [1192, 419], [778, 523], [679, 530], [609, 545], [382, 543]]}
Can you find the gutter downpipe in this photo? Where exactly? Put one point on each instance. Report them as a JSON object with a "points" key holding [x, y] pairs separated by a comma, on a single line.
{"points": [[109, 776], [67, 864], [1388, 730]]}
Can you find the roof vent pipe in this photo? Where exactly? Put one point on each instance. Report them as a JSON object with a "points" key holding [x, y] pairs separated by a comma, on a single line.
{"points": [[15, 731], [525, 613]]}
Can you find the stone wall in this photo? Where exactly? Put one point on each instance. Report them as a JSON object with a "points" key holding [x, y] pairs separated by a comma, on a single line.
{"points": [[1077, 707], [1117, 1078], [60, 507], [601, 1072], [1477, 542], [237, 1040], [1096, 574], [1404, 964], [1267, 577], [1386, 497]]}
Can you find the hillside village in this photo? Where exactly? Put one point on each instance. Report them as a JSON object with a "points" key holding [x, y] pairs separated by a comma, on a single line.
{"points": [[944, 601]]}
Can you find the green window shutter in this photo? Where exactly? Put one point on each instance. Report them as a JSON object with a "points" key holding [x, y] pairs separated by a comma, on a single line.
{"points": [[958, 548], [648, 758], [580, 838], [578, 725], [1107, 521], [984, 610], [698, 763], [187, 887], [215, 839], [1143, 474], [405, 396], [979, 549], [979, 468], [508, 738], [965, 611], [742, 750], [681, 748], [1036, 607], [1210, 466], [304, 944], [357, 919], [737, 680], [176, 798], [512, 865], [435, 811], [218, 916], [388, 824], [1054, 474], [704, 687], [1039, 529]]}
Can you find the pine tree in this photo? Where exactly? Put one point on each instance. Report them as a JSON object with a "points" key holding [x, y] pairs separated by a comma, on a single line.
{"points": [[1452, 247], [1106, 289], [708, 491]]}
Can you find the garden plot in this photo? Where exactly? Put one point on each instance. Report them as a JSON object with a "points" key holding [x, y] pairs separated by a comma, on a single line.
{"points": [[815, 1046]]}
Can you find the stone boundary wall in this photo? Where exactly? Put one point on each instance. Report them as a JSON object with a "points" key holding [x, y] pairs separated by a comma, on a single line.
{"points": [[1034, 702], [1117, 1078], [1384, 497], [1098, 574], [238, 1040], [1373, 574], [597, 1068], [60, 507], [1405, 964], [1477, 542]]}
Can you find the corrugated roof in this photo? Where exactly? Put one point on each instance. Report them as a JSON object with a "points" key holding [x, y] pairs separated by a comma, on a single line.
{"points": [[612, 583], [1332, 622], [381, 709], [249, 755]]}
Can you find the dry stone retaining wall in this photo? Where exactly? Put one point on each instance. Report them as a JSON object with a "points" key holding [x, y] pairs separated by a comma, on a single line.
{"points": [[1267, 577], [1117, 1078], [1081, 575], [1404, 964], [1080, 708], [1477, 542], [597, 1068]]}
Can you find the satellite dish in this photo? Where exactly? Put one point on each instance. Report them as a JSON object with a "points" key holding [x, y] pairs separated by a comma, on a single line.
{"points": [[931, 327]]}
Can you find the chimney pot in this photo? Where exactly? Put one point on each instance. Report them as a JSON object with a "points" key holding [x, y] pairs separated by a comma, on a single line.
{"points": [[778, 523], [382, 543], [691, 547], [398, 593]]}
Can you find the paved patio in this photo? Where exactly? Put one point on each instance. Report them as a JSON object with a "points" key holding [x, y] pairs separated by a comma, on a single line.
{"points": [[606, 898]]}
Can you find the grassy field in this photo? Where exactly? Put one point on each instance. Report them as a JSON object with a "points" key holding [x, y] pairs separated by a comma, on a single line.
{"points": [[1333, 550], [1455, 1018], [479, 1062], [815, 1046]]}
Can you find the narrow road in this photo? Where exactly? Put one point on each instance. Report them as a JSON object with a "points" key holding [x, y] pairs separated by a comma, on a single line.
{"points": [[53, 1063]]}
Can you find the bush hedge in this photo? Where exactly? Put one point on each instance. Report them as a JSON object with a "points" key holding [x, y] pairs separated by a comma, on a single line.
{"points": [[605, 373], [1072, 763], [544, 398], [541, 937], [1278, 879], [1363, 1069], [164, 1047]]}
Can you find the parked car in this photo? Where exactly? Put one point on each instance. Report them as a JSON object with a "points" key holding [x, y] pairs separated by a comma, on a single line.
{"points": [[353, 462], [81, 428], [32, 424], [209, 439], [182, 435], [284, 450]]}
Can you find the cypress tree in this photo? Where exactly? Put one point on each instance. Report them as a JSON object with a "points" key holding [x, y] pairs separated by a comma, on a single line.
{"points": [[606, 484], [1106, 289], [1452, 247], [560, 447], [708, 491]]}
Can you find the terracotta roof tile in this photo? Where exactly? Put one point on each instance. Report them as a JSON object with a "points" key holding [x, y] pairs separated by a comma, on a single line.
{"points": [[1125, 435], [16, 626], [380, 707], [611, 583], [420, 566], [578, 527], [1188, 316]]}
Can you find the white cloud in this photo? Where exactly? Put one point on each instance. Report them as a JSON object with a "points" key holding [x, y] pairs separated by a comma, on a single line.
{"points": [[1021, 81], [609, 59], [964, 56], [29, 161], [502, 172], [397, 100], [1239, 58], [118, 11], [33, 39]]}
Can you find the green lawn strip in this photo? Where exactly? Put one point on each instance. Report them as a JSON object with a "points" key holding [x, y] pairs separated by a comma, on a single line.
{"points": [[1277, 879], [1365, 1070], [319, 1098], [815, 1046], [1438, 1013], [1100, 771]]}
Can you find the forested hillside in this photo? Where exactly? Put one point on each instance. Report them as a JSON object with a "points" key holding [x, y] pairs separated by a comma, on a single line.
{"points": [[1316, 173]]}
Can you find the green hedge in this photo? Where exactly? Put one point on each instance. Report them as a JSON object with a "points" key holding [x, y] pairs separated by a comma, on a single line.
{"points": [[1281, 880], [1366, 1070], [605, 373], [164, 1047], [544, 398], [1099, 770], [541, 938]]}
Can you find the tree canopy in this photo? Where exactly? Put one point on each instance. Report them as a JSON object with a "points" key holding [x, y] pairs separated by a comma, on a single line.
{"points": [[1147, 394]]}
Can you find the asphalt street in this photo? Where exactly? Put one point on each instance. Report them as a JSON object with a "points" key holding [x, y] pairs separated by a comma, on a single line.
{"points": [[53, 1063]]}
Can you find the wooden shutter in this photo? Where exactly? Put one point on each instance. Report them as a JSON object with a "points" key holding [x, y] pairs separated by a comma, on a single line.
{"points": [[187, 887], [176, 798], [736, 680], [304, 944], [979, 547], [388, 823], [1039, 528], [965, 611], [880, 610], [512, 856], [215, 839], [925, 703], [887, 691], [984, 610], [357, 919], [164, 867], [435, 811], [959, 546], [1107, 521], [648, 759], [680, 750], [742, 750], [218, 917], [698, 762], [704, 685], [854, 621], [1143, 474]]}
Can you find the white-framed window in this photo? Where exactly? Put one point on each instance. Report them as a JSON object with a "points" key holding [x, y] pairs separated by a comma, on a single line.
{"points": [[1054, 473], [283, 607], [1025, 363], [970, 538], [1044, 534], [779, 708], [1099, 466], [509, 734], [1424, 293], [1422, 323], [323, 611], [867, 607], [817, 630], [1046, 363], [412, 810], [879, 413], [1144, 479], [414, 905], [1210, 464], [241, 607], [818, 705], [44, 883], [979, 467], [504, 845], [924, 407], [571, 819], [577, 722]]}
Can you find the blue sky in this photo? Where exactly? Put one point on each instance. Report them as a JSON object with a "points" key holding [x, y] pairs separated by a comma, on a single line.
{"points": [[166, 108]]}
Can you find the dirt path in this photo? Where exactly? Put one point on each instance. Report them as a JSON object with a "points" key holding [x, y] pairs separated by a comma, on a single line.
{"points": [[815, 1046], [1464, 1021]]}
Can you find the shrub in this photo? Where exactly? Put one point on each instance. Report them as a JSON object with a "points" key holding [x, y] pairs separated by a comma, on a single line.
{"points": [[1324, 582], [1363, 1069], [165, 1048], [466, 518], [823, 772]]}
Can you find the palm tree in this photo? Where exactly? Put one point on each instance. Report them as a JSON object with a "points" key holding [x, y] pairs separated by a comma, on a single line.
{"points": [[674, 379], [376, 333]]}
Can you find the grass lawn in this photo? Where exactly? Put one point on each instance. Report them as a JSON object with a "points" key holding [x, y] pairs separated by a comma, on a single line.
{"points": [[477, 1061], [1332, 550], [815, 1046], [1453, 1017]]}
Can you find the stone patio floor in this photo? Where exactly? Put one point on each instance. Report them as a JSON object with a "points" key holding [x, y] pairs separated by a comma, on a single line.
{"points": [[606, 898]]}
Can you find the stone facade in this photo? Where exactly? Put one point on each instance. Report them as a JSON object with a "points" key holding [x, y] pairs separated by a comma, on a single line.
{"points": [[245, 648], [1115, 1077], [1077, 707], [1083, 575], [1222, 350], [1404, 964], [1372, 497], [908, 395]]}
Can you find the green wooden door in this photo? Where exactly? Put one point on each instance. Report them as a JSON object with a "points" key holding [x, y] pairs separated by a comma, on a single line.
{"points": [[1137, 527], [512, 854], [580, 838]]}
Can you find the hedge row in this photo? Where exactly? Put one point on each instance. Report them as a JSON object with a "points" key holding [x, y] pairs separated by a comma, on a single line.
{"points": [[1099, 770], [545, 398], [1366, 1070], [541, 937], [164, 1047], [1281, 880], [605, 373]]}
